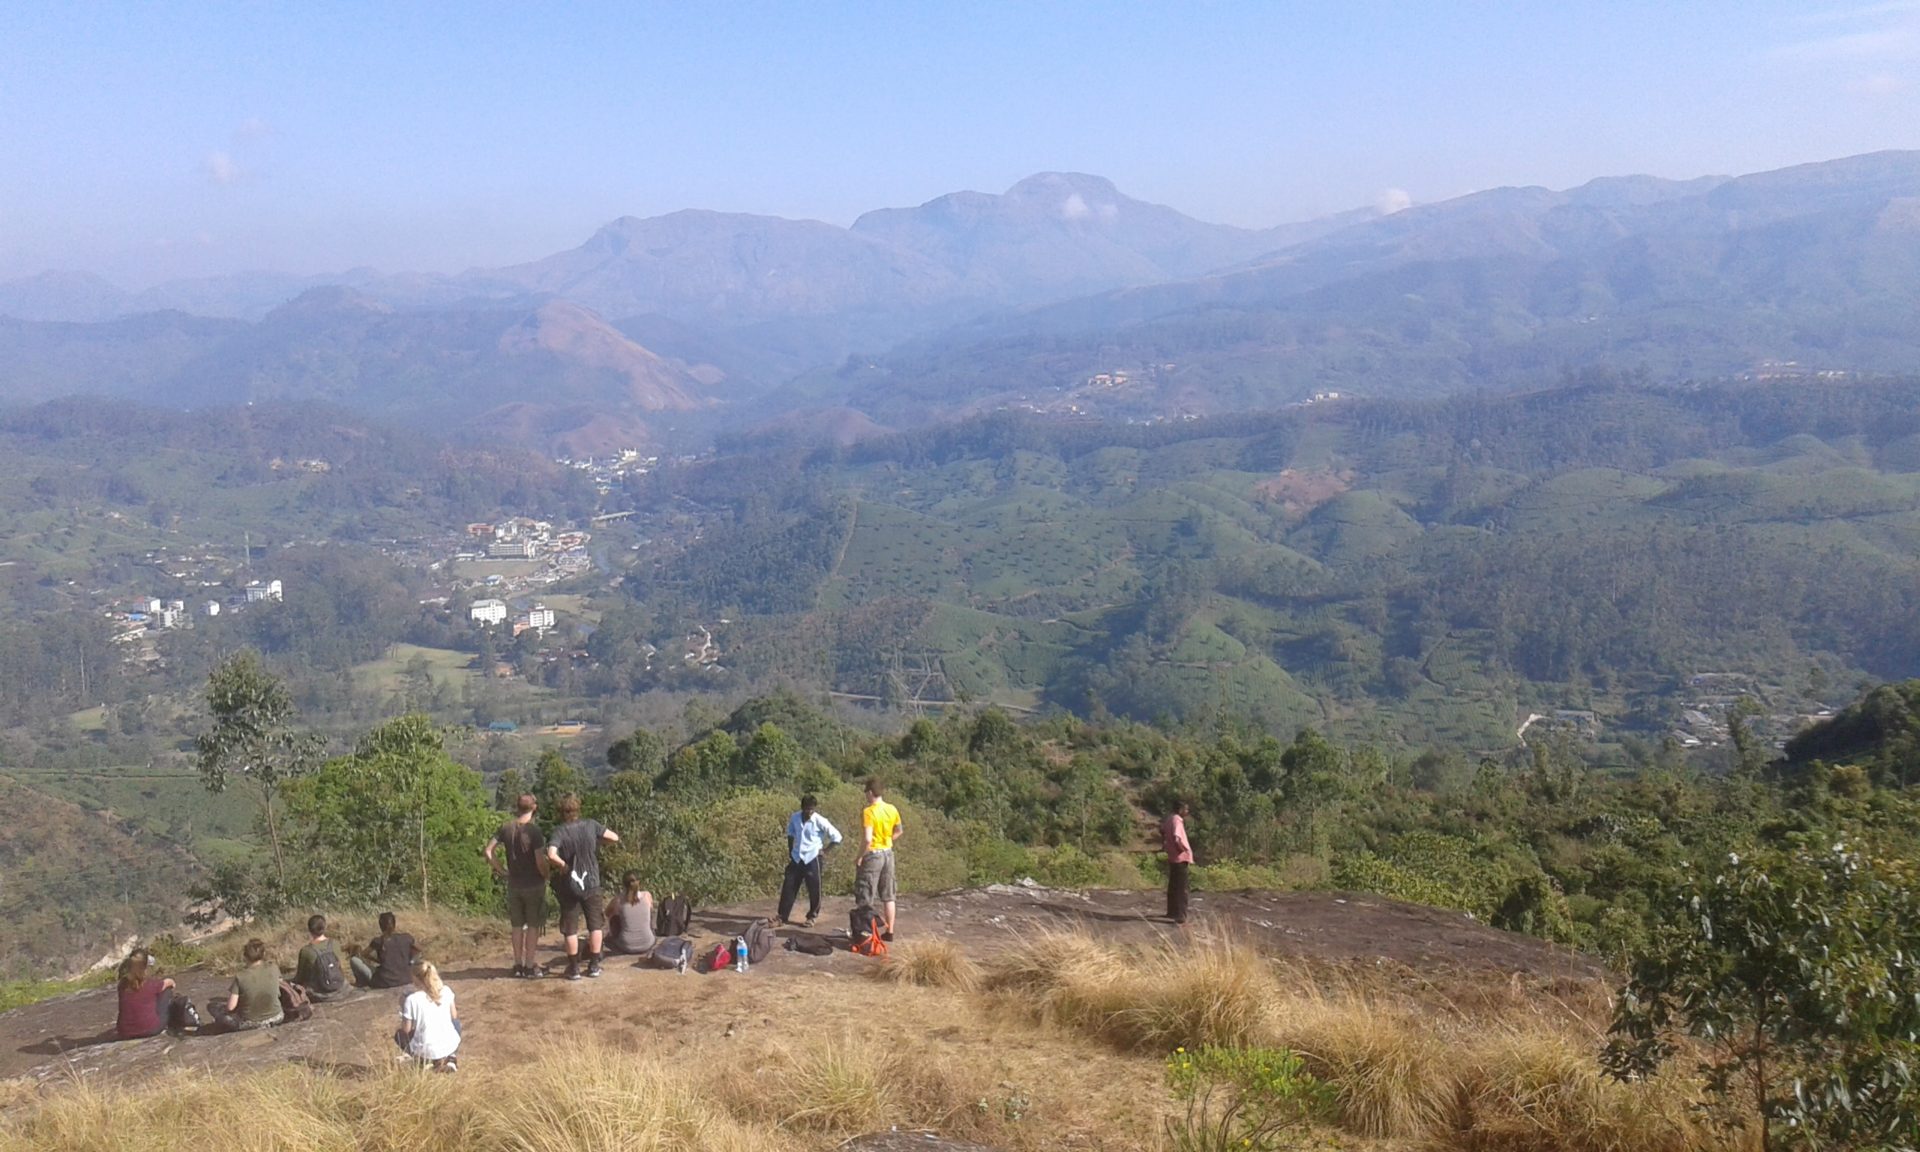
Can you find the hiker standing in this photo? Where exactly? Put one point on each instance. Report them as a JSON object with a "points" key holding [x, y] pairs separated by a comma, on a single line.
{"points": [[574, 853], [523, 849], [873, 877], [809, 835], [1173, 838]]}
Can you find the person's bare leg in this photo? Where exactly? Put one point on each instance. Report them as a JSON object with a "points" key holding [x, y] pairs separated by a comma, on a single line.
{"points": [[593, 942], [889, 906]]}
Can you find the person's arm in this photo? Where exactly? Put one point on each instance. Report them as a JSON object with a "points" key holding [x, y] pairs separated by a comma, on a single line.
{"points": [[499, 866], [609, 835], [613, 909], [167, 985], [833, 834], [406, 1019], [553, 859], [233, 997]]}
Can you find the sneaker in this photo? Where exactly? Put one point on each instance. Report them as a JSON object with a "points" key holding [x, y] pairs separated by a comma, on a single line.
{"points": [[536, 972], [573, 969], [593, 967], [449, 1065], [887, 936], [810, 920], [519, 972]]}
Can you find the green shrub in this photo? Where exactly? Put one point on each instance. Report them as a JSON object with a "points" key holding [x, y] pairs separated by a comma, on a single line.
{"points": [[1246, 1099]]}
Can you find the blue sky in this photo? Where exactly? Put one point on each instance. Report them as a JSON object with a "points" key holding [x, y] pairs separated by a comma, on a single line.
{"points": [[149, 141]]}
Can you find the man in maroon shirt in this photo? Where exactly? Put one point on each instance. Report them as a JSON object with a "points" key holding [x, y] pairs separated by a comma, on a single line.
{"points": [[1173, 838]]}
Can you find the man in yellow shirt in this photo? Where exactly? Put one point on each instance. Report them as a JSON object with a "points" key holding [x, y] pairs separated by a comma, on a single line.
{"points": [[873, 871]]}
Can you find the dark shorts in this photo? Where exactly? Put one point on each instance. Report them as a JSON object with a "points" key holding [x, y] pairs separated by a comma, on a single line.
{"points": [[527, 908], [873, 880], [592, 905]]}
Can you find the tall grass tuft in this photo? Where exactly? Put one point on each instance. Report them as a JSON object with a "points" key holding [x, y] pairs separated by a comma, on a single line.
{"points": [[932, 963], [1152, 999]]}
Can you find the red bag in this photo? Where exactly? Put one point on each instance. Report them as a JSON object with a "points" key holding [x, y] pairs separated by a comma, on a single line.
{"points": [[721, 959]]}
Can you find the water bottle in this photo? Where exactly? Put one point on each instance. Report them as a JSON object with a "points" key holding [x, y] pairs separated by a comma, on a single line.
{"points": [[739, 953]]}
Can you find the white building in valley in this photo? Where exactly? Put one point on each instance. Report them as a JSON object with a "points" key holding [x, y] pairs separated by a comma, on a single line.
{"points": [[488, 611]]}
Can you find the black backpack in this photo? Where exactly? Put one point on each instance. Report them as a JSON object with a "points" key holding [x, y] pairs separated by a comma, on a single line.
{"points": [[808, 944], [327, 977], [862, 925], [759, 941], [671, 915]]}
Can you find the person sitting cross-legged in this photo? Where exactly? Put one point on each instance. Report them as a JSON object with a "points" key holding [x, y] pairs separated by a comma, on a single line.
{"points": [[254, 999]]}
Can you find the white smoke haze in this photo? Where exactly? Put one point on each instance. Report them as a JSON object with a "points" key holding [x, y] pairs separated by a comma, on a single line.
{"points": [[1392, 200], [1075, 207], [222, 169]]}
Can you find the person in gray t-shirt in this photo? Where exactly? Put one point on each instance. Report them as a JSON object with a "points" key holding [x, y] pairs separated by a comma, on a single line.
{"points": [[630, 918]]}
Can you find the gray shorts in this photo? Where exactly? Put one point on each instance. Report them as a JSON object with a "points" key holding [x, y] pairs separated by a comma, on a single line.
{"points": [[873, 880], [527, 908]]}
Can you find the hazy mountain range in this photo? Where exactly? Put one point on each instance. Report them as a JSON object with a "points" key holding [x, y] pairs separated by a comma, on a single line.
{"points": [[977, 300]]}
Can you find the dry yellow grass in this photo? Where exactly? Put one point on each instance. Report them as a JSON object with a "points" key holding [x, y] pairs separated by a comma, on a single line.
{"points": [[931, 963], [1509, 1076], [1056, 1044]]}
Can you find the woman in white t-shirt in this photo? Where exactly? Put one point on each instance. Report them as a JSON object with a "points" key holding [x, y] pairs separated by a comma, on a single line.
{"points": [[429, 1023]]}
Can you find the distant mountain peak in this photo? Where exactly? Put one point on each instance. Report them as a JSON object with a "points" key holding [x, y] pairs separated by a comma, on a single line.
{"points": [[329, 300]]}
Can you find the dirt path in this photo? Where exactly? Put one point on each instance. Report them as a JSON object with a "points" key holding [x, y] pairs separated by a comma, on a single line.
{"points": [[510, 1020]]}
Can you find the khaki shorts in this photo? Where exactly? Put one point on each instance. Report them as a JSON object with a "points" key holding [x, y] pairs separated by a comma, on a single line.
{"points": [[873, 880], [527, 908], [590, 905]]}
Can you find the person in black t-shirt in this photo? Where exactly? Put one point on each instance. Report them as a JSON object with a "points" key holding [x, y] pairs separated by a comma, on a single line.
{"points": [[388, 960], [574, 855], [522, 862]]}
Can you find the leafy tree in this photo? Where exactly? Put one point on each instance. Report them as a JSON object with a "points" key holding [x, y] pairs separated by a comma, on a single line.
{"points": [[398, 815], [641, 751], [1798, 972], [253, 735]]}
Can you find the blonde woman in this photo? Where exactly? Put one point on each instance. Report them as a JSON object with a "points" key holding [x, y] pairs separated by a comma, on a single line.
{"points": [[429, 1023]]}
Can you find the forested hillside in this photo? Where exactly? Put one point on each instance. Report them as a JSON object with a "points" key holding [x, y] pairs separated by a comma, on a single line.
{"points": [[1402, 570]]}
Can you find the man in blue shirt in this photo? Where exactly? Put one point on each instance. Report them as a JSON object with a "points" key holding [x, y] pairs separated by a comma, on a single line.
{"points": [[809, 835]]}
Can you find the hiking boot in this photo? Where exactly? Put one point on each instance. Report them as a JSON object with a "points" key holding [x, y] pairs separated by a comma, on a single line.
{"points": [[573, 968]]}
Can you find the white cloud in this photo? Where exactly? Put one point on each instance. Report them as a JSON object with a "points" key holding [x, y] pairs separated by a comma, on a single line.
{"points": [[252, 128], [1075, 207], [1392, 200], [222, 169]]}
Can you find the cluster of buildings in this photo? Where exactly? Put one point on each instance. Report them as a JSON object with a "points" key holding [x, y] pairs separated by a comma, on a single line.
{"points": [[608, 471], [523, 538], [153, 614], [1712, 695], [492, 612]]}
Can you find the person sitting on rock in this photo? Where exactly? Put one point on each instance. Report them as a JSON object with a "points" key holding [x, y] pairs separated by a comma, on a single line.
{"points": [[429, 1023], [254, 999], [318, 968], [145, 1000], [630, 918], [387, 961]]}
